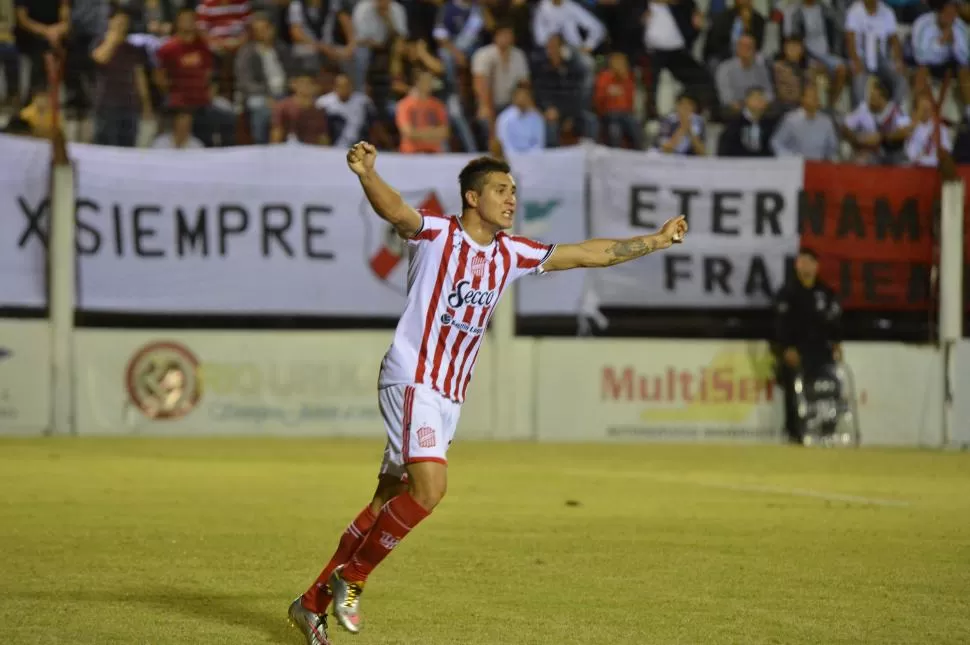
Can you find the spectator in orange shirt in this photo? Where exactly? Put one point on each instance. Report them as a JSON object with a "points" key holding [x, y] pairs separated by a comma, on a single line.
{"points": [[613, 102], [422, 119], [297, 117]]}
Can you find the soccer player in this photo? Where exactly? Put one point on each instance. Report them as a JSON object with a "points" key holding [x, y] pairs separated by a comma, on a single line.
{"points": [[459, 267]]}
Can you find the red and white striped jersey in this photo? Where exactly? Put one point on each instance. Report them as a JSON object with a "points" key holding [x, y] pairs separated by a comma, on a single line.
{"points": [[454, 285], [221, 20]]}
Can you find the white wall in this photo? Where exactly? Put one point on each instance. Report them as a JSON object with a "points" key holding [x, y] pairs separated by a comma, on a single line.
{"points": [[25, 377], [323, 383]]}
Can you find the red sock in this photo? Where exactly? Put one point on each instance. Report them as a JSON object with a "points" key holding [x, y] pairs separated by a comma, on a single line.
{"points": [[398, 518], [316, 598]]}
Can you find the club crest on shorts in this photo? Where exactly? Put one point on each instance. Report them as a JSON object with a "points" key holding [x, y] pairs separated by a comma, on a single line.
{"points": [[426, 437], [384, 250]]}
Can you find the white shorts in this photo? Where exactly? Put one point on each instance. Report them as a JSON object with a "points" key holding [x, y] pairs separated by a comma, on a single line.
{"points": [[420, 425]]}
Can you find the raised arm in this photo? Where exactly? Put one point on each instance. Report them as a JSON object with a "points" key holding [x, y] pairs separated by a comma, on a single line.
{"points": [[386, 201], [605, 253]]}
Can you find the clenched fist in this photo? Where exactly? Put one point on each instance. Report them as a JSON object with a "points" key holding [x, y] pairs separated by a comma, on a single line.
{"points": [[361, 158]]}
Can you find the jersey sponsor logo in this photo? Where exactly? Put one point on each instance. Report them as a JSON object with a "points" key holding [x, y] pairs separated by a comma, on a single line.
{"points": [[461, 325], [426, 437], [463, 294]]}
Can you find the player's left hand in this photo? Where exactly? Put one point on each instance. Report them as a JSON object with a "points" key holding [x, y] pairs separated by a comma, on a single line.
{"points": [[675, 229]]}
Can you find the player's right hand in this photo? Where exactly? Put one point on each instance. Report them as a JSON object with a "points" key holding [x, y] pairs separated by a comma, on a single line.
{"points": [[361, 158]]}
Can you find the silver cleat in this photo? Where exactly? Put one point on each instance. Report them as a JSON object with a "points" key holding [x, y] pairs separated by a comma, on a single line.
{"points": [[313, 626], [346, 601]]}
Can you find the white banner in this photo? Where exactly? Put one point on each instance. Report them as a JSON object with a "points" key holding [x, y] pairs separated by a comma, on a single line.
{"points": [[552, 208], [743, 217], [591, 390], [25, 376], [233, 383], [24, 208], [274, 230], [266, 230]]}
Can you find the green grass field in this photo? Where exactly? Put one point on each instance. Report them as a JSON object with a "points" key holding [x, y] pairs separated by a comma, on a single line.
{"points": [[138, 541]]}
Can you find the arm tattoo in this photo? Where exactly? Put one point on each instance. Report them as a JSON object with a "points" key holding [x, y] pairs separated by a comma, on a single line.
{"points": [[624, 250]]}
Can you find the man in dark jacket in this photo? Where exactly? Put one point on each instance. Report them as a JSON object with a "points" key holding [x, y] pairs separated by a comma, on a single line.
{"points": [[727, 27], [749, 133], [808, 333]]}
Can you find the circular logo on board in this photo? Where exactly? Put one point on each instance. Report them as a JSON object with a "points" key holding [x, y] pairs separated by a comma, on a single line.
{"points": [[163, 380]]}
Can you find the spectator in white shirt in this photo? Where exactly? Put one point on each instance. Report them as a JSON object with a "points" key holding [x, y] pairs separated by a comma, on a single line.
{"points": [[567, 18], [520, 127], [349, 113], [940, 46], [921, 146], [497, 69], [377, 23], [874, 48], [180, 137], [877, 128]]}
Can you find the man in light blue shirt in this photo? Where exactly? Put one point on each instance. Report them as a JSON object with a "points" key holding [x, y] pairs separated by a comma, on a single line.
{"points": [[941, 45], [520, 127], [807, 132]]}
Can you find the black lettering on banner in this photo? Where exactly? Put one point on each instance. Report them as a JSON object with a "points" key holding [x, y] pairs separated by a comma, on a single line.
{"points": [[767, 208], [919, 283], [35, 221], [141, 232], [671, 273], [226, 227], [85, 230], [717, 271], [684, 195], [845, 279], [272, 230], [811, 212], [642, 206], [189, 236], [874, 276], [119, 233], [722, 210], [850, 220], [758, 280], [312, 232], [897, 227]]}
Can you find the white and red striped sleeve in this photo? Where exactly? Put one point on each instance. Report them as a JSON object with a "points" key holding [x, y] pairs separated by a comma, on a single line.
{"points": [[528, 255], [432, 225]]}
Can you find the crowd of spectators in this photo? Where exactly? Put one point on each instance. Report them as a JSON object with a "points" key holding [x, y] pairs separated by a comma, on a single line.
{"points": [[821, 79]]}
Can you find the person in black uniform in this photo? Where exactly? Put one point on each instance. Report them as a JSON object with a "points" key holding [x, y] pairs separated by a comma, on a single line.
{"points": [[808, 332]]}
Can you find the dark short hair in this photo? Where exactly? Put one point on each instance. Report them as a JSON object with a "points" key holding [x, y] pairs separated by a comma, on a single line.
{"points": [[809, 252], [504, 23], [754, 89], [475, 172], [16, 125]]}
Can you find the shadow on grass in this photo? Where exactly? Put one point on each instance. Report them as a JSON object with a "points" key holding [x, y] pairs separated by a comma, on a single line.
{"points": [[236, 610]]}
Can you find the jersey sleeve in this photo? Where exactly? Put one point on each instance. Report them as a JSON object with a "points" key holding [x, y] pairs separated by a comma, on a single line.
{"points": [[528, 255], [432, 225]]}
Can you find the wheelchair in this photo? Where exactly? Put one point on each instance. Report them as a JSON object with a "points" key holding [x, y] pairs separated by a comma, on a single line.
{"points": [[827, 405]]}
